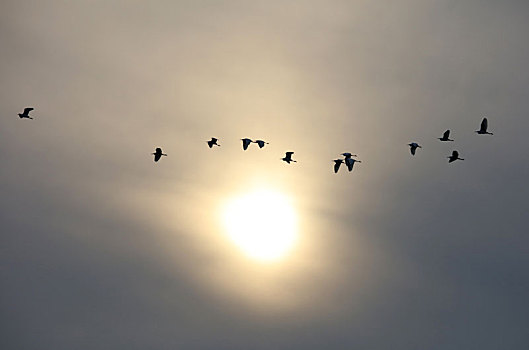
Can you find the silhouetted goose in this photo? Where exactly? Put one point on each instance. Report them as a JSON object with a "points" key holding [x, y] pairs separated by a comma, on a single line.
{"points": [[212, 142], [483, 129], [446, 136], [288, 157], [337, 163], [246, 143], [25, 114], [454, 157], [350, 162], [261, 143], [413, 147], [158, 154]]}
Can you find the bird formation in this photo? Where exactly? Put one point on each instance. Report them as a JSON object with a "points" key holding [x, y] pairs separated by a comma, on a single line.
{"points": [[347, 157], [446, 137]]}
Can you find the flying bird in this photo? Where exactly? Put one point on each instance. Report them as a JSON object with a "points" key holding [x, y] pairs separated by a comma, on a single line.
{"points": [[261, 143], [454, 157], [337, 163], [413, 147], [446, 136], [246, 143], [212, 142], [350, 162], [482, 130], [25, 114], [288, 157], [158, 154]]}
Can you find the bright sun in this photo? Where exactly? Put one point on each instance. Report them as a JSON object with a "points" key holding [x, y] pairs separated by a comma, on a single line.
{"points": [[262, 224]]}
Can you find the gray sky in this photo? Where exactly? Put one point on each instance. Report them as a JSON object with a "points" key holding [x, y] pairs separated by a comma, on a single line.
{"points": [[102, 248]]}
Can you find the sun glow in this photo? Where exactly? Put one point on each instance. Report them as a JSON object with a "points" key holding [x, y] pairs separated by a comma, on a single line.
{"points": [[263, 224]]}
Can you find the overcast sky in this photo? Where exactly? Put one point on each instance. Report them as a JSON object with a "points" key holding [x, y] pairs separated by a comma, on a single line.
{"points": [[103, 249]]}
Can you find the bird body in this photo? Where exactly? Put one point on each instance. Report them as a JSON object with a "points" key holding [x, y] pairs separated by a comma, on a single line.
{"points": [[348, 155], [288, 157], [454, 157], [158, 154], [337, 163], [413, 147], [483, 128], [25, 114], [245, 143], [446, 136], [261, 143], [212, 142]]}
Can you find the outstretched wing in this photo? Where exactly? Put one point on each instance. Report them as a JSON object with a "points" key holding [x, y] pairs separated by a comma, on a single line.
{"points": [[455, 154], [245, 143], [413, 149], [484, 124], [289, 154], [350, 162], [157, 156], [446, 134], [337, 166], [27, 110]]}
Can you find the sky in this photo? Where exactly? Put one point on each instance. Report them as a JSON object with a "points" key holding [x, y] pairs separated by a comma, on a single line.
{"points": [[103, 248]]}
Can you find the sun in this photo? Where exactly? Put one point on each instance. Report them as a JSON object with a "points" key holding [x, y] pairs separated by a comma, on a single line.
{"points": [[263, 224]]}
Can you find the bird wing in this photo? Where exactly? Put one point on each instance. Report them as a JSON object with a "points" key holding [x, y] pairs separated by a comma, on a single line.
{"points": [[484, 124], [158, 150], [27, 110], [245, 143], [210, 143], [289, 154], [350, 162], [446, 134], [213, 140], [455, 154], [157, 156], [261, 143], [337, 166], [413, 149]]}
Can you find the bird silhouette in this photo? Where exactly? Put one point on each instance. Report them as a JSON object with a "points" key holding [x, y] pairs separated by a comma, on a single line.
{"points": [[246, 143], [446, 136], [454, 157], [350, 162], [158, 154], [25, 114], [288, 157], [337, 163], [483, 128], [212, 142], [413, 147], [261, 143]]}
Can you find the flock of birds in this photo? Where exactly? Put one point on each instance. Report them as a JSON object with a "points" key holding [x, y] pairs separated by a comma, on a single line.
{"points": [[348, 157]]}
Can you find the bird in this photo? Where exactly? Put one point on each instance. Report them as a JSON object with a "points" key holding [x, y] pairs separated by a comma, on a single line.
{"points": [[212, 142], [245, 143], [25, 114], [350, 162], [454, 157], [158, 154], [348, 155], [446, 136], [261, 143], [413, 147], [337, 163], [288, 157], [483, 129]]}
